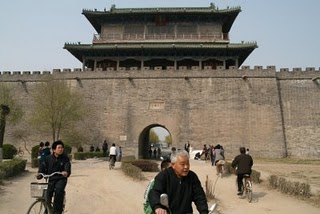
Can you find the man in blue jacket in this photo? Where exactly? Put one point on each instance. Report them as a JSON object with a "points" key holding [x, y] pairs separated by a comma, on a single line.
{"points": [[182, 187]]}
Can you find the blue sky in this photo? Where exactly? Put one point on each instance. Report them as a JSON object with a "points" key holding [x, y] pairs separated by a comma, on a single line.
{"points": [[33, 32]]}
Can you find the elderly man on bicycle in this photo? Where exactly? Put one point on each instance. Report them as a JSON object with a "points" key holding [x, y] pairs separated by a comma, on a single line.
{"points": [[243, 164], [56, 162]]}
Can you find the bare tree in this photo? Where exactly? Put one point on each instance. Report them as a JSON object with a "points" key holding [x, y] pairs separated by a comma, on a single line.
{"points": [[56, 107]]}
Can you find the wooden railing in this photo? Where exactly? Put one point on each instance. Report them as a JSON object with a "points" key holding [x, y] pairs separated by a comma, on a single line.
{"points": [[98, 38]]}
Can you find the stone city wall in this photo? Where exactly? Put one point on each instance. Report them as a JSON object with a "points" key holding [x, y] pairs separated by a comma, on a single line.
{"points": [[274, 113]]}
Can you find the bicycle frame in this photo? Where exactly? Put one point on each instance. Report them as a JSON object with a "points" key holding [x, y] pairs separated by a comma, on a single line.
{"points": [[41, 205]]}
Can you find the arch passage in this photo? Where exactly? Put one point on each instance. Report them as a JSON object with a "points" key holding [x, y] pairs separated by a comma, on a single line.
{"points": [[144, 141]]}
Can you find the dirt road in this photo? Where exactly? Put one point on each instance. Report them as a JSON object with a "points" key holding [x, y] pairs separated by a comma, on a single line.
{"points": [[94, 189]]}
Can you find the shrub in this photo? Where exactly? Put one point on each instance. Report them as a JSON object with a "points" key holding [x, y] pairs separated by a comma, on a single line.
{"points": [[35, 162], [12, 167], [131, 170], [9, 151], [228, 168], [288, 187], [80, 149], [146, 165], [86, 155], [67, 149], [34, 151], [255, 176]]}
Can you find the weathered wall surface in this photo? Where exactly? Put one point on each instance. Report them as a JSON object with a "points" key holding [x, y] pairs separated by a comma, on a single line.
{"points": [[273, 113]]}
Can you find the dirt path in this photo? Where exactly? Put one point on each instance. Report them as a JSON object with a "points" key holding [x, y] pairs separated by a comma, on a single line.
{"points": [[93, 188]]}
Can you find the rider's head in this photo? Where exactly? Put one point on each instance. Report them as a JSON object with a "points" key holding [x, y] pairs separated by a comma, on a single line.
{"points": [[57, 147], [180, 163], [242, 150]]}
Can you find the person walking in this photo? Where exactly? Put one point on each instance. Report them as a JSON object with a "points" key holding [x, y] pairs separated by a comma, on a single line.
{"points": [[113, 153], [219, 161], [105, 148], [243, 164], [119, 153], [181, 185], [45, 151], [56, 162]]}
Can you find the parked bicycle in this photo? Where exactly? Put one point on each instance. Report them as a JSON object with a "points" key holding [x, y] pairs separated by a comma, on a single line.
{"points": [[39, 192], [247, 187], [20, 152]]}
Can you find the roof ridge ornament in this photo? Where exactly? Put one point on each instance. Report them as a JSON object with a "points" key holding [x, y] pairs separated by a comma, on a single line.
{"points": [[212, 5], [113, 6]]}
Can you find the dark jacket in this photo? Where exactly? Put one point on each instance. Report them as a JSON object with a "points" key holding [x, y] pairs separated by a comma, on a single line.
{"points": [[181, 192], [53, 164], [243, 163], [44, 153]]}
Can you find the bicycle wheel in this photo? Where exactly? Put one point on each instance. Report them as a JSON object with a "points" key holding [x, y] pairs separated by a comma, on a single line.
{"points": [[248, 190], [38, 207], [21, 153]]}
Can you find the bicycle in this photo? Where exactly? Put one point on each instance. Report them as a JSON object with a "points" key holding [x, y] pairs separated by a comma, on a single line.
{"points": [[20, 152], [39, 191], [164, 200], [247, 187]]}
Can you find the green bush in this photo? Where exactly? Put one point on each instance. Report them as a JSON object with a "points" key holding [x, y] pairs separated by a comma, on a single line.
{"points": [[146, 165], [131, 170], [9, 151], [86, 155], [288, 187], [67, 149], [12, 168], [80, 149], [228, 168], [35, 162], [34, 151], [255, 176]]}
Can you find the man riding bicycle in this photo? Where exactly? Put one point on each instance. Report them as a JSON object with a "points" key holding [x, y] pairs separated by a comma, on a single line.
{"points": [[243, 164], [181, 185], [56, 162]]}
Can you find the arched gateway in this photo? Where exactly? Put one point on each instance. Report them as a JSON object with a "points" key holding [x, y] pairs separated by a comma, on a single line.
{"points": [[144, 143]]}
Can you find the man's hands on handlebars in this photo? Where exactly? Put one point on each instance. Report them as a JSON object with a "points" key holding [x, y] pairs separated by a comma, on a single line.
{"points": [[161, 211], [41, 175]]}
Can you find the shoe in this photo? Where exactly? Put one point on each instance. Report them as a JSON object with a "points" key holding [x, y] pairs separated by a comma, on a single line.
{"points": [[239, 193]]}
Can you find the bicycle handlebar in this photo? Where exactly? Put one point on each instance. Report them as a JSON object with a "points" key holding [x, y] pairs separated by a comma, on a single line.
{"points": [[48, 176]]}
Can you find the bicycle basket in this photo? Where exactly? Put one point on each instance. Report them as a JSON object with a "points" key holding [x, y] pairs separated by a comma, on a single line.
{"points": [[38, 189]]}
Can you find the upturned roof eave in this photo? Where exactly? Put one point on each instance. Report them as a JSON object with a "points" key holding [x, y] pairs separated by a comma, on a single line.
{"points": [[159, 45], [97, 18]]}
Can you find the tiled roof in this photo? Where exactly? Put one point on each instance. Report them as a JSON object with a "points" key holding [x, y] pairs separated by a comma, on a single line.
{"points": [[161, 45], [211, 9]]}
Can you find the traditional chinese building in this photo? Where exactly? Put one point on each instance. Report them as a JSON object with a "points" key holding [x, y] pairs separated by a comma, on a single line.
{"points": [[161, 37]]}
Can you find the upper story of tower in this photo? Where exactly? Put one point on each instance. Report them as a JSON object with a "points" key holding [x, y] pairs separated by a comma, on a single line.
{"points": [[192, 24]]}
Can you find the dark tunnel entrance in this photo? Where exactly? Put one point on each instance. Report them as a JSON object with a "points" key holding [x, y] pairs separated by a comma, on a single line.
{"points": [[154, 142]]}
